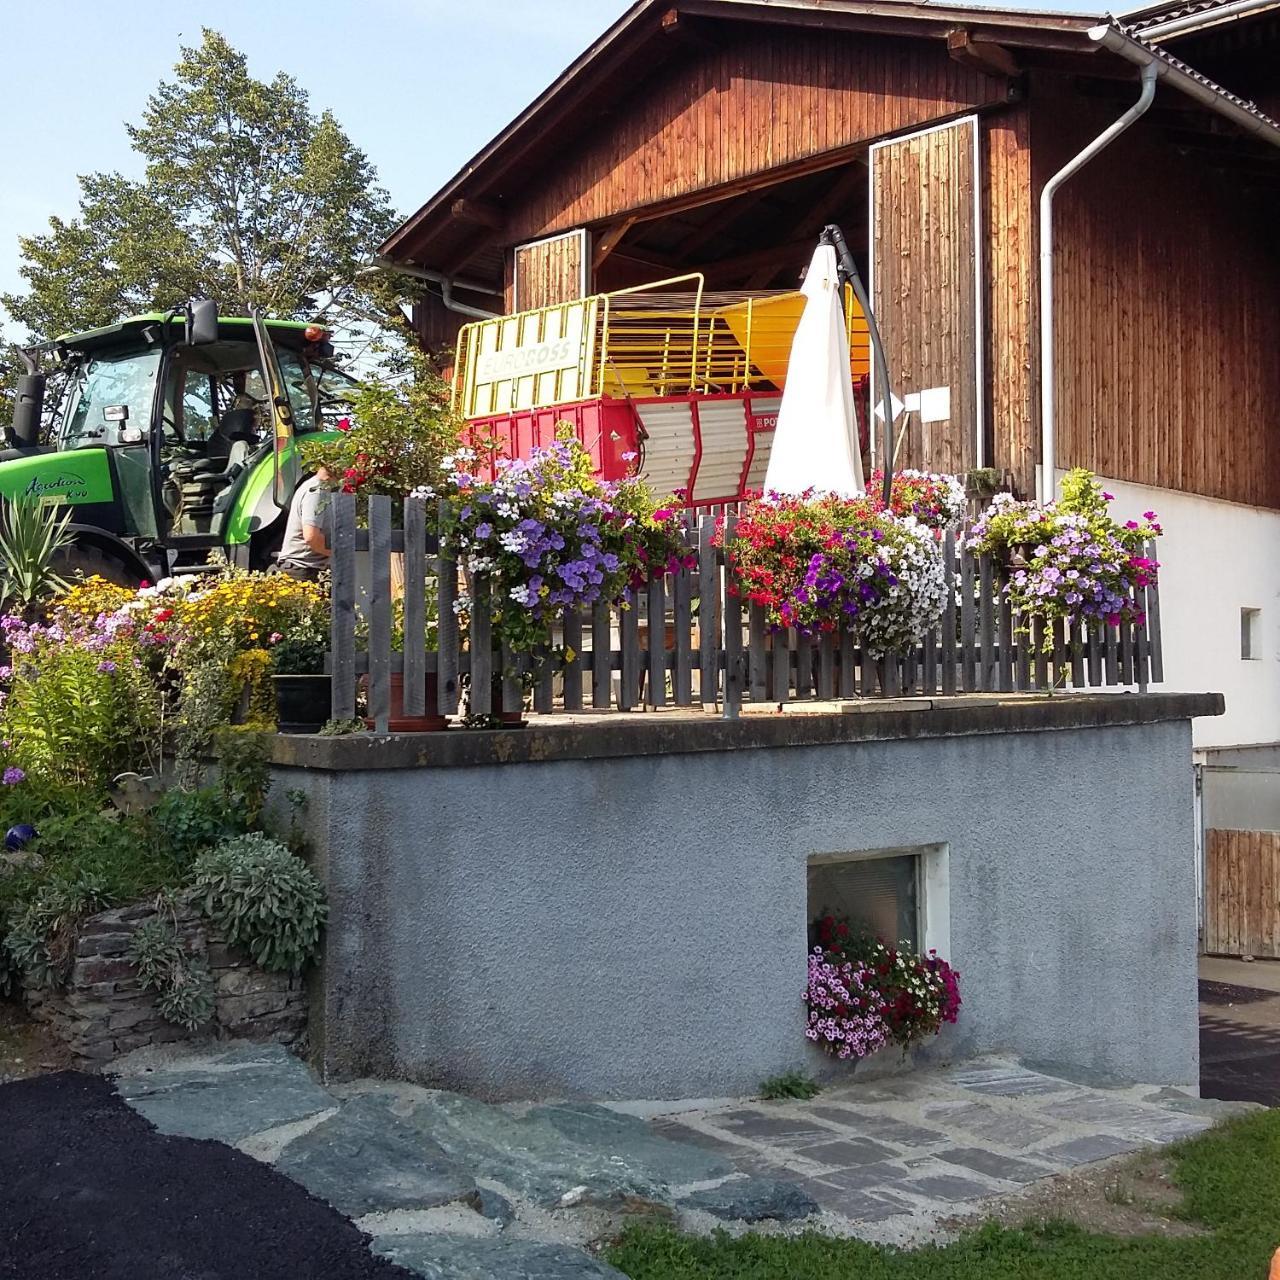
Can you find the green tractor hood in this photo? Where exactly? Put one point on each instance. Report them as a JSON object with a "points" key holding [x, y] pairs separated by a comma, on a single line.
{"points": [[74, 478]]}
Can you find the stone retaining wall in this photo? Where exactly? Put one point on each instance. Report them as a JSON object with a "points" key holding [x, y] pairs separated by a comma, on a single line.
{"points": [[103, 1011]]}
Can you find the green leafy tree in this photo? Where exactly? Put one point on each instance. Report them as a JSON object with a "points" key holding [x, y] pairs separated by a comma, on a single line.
{"points": [[249, 197]]}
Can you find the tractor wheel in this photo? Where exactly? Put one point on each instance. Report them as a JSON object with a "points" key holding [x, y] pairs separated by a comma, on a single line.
{"points": [[85, 560]]}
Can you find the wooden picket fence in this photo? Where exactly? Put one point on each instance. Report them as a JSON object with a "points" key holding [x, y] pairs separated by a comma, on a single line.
{"points": [[685, 641]]}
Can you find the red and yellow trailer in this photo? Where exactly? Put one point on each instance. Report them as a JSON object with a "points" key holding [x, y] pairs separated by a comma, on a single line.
{"points": [[679, 382]]}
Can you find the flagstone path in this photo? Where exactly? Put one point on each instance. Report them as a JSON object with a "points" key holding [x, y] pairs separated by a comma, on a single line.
{"points": [[456, 1189]]}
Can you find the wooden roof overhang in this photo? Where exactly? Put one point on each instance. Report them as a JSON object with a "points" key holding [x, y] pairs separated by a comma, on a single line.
{"points": [[461, 227]]}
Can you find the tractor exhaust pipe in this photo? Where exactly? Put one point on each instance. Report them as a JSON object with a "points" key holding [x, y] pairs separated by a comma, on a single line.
{"points": [[28, 406]]}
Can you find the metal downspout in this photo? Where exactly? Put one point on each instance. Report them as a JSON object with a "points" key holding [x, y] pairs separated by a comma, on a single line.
{"points": [[1048, 437], [447, 285]]}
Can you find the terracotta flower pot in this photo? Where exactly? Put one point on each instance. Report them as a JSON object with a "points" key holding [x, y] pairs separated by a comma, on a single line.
{"points": [[399, 722]]}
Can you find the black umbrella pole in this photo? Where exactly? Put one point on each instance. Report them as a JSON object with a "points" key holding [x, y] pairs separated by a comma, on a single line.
{"points": [[832, 235]]}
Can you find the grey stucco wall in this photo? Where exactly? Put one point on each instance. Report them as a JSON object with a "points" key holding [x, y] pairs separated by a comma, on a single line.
{"points": [[635, 927]]}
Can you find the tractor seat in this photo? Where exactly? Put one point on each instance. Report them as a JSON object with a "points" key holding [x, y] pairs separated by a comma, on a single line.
{"points": [[229, 446]]}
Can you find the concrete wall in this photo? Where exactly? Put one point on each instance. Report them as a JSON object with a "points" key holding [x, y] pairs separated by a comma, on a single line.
{"points": [[636, 926]]}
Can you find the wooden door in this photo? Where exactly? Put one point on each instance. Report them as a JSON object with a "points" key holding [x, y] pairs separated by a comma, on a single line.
{"points": [[926, 279], [547, 272], [1242, 893]]}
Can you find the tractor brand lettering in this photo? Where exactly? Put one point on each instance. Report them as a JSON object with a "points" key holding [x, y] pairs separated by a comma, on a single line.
{"points": [[766, 421], [538, 357], [66, 486]]}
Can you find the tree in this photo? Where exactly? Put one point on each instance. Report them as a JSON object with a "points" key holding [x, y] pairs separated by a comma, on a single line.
{"points": [[249, 197]]}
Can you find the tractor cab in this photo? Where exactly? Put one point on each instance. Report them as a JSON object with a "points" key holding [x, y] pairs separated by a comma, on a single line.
{"points": [[176, 434]]}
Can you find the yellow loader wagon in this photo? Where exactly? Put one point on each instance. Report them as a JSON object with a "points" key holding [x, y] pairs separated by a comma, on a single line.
{"points": [[669, 378]]}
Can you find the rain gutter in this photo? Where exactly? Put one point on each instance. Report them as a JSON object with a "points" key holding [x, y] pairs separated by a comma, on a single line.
{"points": [[447, 285], [1048, 426], [1178, 75], [1204, 18]]}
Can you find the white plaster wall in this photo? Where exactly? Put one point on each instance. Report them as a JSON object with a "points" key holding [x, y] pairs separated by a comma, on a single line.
{"points": [[1216, 558]]}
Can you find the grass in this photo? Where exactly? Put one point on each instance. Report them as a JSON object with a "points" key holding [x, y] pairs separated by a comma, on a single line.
{"points": [[1230, 1178], [793, 1084]]}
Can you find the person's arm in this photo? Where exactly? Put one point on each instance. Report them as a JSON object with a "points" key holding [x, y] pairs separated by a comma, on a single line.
{"points": [[314, 537], [314, 504]]}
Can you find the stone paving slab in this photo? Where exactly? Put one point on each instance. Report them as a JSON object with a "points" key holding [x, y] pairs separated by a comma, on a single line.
{"points": [[994, 1165], [753, 1200], [442, 1257], [367, 1159], [933, 1140], [843, 1153], [227, 1096]]}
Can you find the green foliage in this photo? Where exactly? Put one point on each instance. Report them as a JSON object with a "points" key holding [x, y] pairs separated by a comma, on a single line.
{"points": [[342, 728], [244, 772], [185, 821], [791, 1084], [1231, 1178], [262, 898], [182, 983], [248, 196], [399, 435], [299, 656], [76, 715], [40, 940], [30, 538]]}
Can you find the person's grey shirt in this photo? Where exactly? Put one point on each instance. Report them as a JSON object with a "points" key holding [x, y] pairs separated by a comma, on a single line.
{"points": [[310, 501]]}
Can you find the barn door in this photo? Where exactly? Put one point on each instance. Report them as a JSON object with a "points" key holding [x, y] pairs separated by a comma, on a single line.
{"points": [[926, 280], [550, 271]]}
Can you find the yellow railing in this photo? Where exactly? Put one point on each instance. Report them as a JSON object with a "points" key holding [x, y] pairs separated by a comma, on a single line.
{"points": [[671, 337]]}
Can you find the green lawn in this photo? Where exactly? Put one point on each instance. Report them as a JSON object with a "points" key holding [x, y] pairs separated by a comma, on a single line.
{"points": [[1230, 1178]]}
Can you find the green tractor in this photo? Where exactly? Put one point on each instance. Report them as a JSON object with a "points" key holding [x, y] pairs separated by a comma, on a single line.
{"points": [[176, 435]]}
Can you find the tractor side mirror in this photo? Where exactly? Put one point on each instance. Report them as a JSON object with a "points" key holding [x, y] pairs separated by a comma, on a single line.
{"points": [[202, 322]]}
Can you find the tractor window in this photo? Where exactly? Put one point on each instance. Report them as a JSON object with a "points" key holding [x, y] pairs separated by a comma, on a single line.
{"points": [[333, 390], [297, 384], [109, 382], [198, 413]]}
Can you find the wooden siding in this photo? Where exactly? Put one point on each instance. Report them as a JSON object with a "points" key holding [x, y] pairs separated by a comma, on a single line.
{"points": [[1242, 893], [925, 257], [548, 272], [1167, 277], [1011, 302], [747, 107]]}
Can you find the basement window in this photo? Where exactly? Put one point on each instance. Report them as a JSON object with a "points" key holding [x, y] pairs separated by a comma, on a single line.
{"points": [[1251, 634], [899, 895]]}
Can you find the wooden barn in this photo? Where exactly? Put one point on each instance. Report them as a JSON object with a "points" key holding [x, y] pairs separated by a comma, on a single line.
{"points": [[715, 138]]}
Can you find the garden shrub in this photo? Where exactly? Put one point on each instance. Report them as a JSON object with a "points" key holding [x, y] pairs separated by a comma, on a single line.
{"points": [[80, 705], [41, 939], [185, 821], [262, 898], [182, 983]]}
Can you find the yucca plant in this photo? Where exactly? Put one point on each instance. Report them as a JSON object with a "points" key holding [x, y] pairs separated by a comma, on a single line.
{"points": [[31, 536]]}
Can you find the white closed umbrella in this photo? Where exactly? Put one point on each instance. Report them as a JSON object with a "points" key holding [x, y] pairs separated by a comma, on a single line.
{"points": [[815, 443]]}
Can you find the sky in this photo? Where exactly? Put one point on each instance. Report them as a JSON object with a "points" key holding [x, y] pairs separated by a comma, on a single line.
{"points": [[419, 85]]}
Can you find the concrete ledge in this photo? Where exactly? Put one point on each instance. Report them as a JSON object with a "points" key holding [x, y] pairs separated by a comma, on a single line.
{"points": [[659, 733]]}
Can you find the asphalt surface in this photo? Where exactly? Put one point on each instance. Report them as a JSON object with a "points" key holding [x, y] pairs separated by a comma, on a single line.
{"points": [[90, 1191], [1239, 1043]]}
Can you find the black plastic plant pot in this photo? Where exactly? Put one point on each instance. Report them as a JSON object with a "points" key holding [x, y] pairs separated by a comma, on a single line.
{"points": [[303, 703]]}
